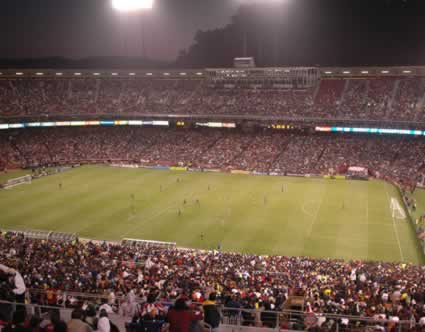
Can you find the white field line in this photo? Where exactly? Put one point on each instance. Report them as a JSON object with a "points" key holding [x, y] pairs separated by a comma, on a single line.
{"points": [[306, 204], [394, 226], [144, 221], [316, 214]]}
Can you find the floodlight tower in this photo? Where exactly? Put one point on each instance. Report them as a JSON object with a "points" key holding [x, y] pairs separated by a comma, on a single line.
{"points": [[135, 6]]}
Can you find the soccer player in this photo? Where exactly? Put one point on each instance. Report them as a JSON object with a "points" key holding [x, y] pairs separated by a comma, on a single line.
{"points": [[160, 188], [179, 213], [202, 236], [184, 201], [60, 185]]}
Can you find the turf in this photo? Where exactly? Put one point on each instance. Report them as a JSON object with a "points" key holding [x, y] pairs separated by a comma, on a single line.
{"points": [[243, 213]]}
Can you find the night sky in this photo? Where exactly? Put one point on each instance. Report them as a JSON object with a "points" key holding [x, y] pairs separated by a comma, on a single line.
{"points": [[348, 29], [81, 28]]}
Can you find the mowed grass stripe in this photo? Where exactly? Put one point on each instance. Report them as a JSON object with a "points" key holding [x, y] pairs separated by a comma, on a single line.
{"points": [[242, 213]]}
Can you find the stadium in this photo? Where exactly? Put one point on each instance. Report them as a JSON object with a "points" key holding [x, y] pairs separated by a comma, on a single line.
{"points": [[257, 197]]}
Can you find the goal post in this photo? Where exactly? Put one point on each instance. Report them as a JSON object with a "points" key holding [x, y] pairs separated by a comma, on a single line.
{"points": [[397, 211], [17, 181]]}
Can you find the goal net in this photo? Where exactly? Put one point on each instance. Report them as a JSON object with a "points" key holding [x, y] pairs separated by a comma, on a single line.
{"points": [[17, 181], [397, 211]]}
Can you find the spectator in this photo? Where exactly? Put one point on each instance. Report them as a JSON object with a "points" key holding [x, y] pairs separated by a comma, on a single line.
{"points": [[180, 316], [211, 313], [103, 324], [76, 324]]}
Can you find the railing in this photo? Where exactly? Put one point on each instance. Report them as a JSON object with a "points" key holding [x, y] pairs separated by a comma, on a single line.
{"points": [[298, 320], [240, 317], [7, 309]]}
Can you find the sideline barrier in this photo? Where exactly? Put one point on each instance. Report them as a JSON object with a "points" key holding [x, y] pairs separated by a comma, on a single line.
{"points": [[335, 177], [44, 235], [238, 171], [163, 168], [258, 173], [212, 170], [147, 243], [195, 169], [178, 168]]}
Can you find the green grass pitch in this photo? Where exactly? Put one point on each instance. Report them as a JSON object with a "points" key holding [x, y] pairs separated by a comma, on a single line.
{"points": [[243, 213]]}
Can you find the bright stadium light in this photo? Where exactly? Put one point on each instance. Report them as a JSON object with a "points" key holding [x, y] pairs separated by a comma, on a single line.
{"points": [[132, 5]]}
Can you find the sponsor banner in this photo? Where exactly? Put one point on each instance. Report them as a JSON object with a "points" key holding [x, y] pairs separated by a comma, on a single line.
{"points": [[92, 123], [16, 125], [213, 170], [106, 123], [155, 167], [48, 124], [216, 124], [164, 168], [135, 122], [178, 168], [125, 165], [238, 171], [78, 123], [33, 124], [334, 177], [296, 175], [194, 169], [258, 173], [121, 123], [274, 174], [63, 123], [4, 126], [389, 131], [160, 123]]}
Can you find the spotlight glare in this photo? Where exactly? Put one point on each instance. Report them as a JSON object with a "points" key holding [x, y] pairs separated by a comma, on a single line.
{"points": [[132, 5]]}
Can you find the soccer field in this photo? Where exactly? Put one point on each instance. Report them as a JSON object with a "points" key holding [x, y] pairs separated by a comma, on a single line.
{"points": [[244, 213]]}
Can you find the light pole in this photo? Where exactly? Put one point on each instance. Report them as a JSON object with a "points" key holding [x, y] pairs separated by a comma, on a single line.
{"points": [[132, 6]]}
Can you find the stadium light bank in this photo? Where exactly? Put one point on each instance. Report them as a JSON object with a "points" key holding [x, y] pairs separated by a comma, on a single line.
{"points": [[132, 5]]}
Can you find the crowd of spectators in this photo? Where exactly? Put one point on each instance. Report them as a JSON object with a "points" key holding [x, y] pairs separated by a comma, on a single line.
{"points": [[156, 277], [386, 98], [267, 151]]}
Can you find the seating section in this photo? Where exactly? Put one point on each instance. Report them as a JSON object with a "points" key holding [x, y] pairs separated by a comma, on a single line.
{"points": [[368, 289], [289, 152], [351, 98]]}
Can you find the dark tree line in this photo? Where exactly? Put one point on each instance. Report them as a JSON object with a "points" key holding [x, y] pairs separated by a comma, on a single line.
{"points": [[316, 32]]}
